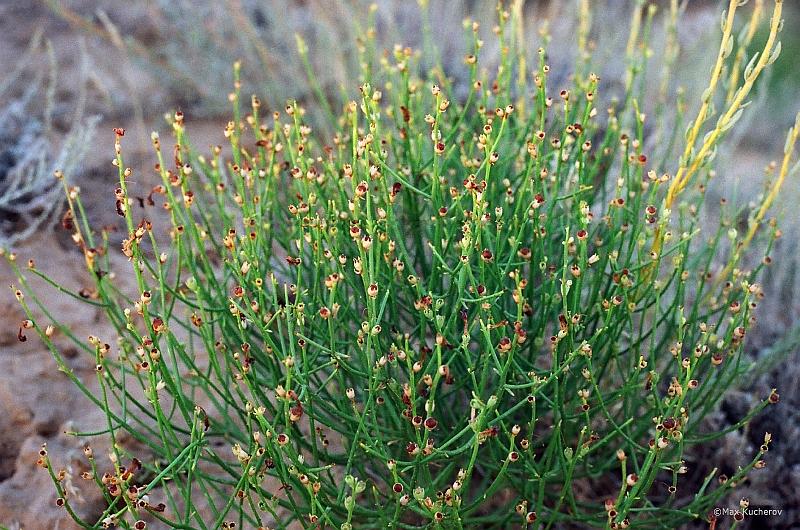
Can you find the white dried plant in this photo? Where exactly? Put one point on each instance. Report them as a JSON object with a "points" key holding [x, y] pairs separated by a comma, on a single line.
{"points": [[31, 150]]}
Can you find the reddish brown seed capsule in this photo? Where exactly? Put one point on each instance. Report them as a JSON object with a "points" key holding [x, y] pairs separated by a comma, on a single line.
{"points": [[296, 412]]}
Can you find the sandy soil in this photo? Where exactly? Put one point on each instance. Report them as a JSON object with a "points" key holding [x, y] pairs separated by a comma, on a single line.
{"points": [[39, 401]]}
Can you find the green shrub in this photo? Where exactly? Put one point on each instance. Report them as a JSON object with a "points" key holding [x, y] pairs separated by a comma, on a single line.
{"points": [[487, 313]]}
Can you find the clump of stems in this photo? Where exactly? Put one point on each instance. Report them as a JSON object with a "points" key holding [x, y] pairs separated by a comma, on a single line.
{"points": [[494, 312]]}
